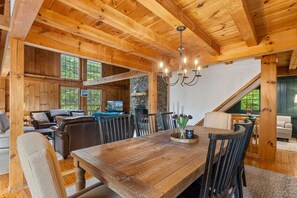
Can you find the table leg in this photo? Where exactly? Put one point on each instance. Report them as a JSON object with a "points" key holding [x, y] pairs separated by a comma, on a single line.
{"points": [[80, 179]]}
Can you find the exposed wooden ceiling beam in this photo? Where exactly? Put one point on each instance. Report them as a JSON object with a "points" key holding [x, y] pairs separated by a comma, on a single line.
{"points": [[242, 19], [114, 78], [67, 24], [23, 16], [66, 43], [109, 15], [4, 22], [285, 71], [174, 16], [273, 43], [293, 61], [4, 69]]}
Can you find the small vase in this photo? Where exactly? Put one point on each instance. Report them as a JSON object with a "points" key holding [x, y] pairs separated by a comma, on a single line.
{"points": [[182, 133]]}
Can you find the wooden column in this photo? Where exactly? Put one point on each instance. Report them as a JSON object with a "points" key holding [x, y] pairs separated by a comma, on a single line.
{"points": [[16, 90], [2, 94], [83, 71], [268, 108], [152, 93]]}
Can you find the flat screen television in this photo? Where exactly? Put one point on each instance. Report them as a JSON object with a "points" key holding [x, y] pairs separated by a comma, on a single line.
{"points": [[114, 105]]}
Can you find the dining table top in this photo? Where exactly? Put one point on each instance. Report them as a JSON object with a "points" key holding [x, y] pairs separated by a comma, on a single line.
{"points": [[148, 166]]}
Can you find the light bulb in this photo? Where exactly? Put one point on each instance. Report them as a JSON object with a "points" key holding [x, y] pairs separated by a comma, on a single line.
{"points": [[196, 62], [166, 70], [185, 71], [161, 65], [185, 60], [199, 68]]}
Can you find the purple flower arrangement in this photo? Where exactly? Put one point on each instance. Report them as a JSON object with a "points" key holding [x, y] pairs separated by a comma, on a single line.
{"points": [[182, 120]]}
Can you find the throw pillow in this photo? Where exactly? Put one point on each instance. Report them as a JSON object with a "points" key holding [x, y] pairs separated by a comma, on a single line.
{"points": [[4, 123], [59, 112], [77, 114], [40, 117]]}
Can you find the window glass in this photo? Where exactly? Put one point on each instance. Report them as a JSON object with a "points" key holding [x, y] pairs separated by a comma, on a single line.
{"points": [[251, 101], [94, 70], [69, 67], [94, 101], [69, 98]]}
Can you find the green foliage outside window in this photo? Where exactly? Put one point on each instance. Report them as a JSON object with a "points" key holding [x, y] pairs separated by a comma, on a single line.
{"points": [[69, 67], [69, 98], [251, 101], [94, 70], [94, 101]]}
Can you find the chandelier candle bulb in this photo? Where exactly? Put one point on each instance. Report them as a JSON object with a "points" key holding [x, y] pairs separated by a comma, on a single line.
{"points": [[185, 60]]}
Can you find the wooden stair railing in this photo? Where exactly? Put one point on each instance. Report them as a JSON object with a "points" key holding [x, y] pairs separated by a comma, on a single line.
{"points": [[252, 84]]}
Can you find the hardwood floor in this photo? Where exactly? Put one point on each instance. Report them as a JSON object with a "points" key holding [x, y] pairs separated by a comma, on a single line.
{"points": [[286, 163]]}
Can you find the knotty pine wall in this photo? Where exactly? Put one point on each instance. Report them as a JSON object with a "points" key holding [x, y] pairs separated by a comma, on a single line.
{"points": [[42, 83]]}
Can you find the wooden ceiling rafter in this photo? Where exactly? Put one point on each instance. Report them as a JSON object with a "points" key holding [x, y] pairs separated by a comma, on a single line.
{"points": [[293, 61], [109, 15], [242, 19], [67, 43], [67, 24], [174, 16]]}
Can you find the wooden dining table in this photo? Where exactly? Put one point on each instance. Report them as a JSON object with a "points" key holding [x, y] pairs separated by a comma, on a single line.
{"points": [[148, 166]]}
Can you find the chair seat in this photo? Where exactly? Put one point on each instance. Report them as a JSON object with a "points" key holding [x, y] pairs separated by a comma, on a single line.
{"points": [[100, 192]]}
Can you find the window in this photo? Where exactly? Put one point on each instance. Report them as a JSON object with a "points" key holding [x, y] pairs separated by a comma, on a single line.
{"points": [[251, 101], [93, 70], [69, 67], [93, 101], [69, 98]]}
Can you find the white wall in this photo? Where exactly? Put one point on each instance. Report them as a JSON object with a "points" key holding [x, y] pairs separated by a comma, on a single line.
{"points": [[217, 84]]}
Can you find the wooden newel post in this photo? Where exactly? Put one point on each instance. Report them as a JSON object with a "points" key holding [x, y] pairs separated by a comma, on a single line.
{"points": [[153, 93], [268, 108], [16, 91]]}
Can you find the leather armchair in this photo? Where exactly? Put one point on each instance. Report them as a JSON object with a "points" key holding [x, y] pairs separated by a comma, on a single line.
{"points": [[76, 133]]}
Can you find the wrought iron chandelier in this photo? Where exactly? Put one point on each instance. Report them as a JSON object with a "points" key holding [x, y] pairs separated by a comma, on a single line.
{"points": [[182, 74]]}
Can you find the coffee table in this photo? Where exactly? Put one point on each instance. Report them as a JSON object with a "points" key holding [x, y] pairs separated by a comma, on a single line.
{"points": [[48, 133]]}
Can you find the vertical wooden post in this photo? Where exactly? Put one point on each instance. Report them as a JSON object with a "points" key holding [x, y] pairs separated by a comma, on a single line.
{"points": [[268, 108], [153, 93], [83, 71], [2, 94], [16, 89]]}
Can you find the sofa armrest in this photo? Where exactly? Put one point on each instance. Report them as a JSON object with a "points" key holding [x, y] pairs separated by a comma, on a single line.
{"points": [[288, 125], [34, 123]]}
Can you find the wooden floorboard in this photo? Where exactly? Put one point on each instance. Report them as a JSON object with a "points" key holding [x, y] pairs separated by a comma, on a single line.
{"points": [[286, 163]]}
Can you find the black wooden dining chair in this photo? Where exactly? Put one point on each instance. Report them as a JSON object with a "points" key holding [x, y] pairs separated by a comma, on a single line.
{"points": [[167, 122], [146, 124], [115, 128], [248, 125]]}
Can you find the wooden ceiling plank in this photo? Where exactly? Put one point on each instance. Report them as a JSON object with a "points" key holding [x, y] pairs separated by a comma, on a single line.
{"points": [[67, 24], [272, 43], [114, 78], [109, 15], [242, 19], [66, 43], [175, 16], [293, 61]]}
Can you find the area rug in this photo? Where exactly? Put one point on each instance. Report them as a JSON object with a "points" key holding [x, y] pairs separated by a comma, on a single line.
{"points": [[4, 161], [287, 146], [260, 183]]}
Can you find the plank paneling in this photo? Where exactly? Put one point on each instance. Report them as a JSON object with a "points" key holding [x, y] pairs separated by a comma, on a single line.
{"points": [[43, 93]]}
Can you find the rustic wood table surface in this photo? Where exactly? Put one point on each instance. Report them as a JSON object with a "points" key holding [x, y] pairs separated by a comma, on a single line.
{"points": [[149, 166]]}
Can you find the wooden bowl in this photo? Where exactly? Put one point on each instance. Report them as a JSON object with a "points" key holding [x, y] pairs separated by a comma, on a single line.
{"points": [[176, 138]]}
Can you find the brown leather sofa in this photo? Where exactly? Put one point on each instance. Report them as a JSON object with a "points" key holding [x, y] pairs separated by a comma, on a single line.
{"points": [[76, 133], [51, 118]]}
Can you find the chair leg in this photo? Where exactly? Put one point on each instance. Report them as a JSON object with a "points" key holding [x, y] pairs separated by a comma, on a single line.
{"points": [[243, 177], [239, 183]]}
